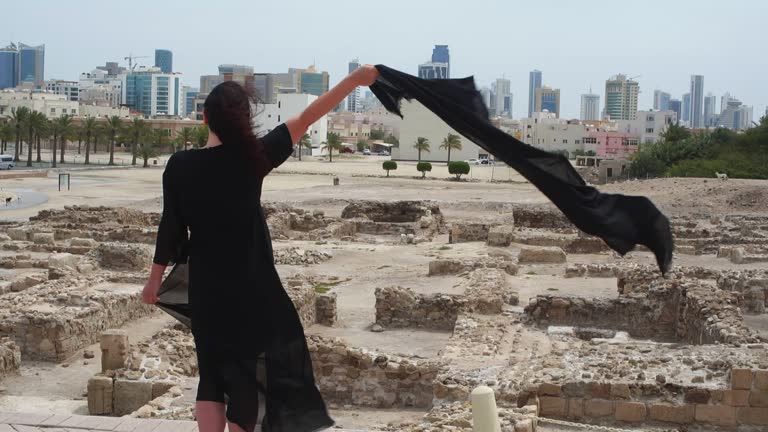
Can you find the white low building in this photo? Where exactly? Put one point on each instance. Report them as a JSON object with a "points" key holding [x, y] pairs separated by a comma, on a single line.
{"points": [[417, 122], [50, 104], [649, 125], [101, 111], [288, 105], [543, 130]]}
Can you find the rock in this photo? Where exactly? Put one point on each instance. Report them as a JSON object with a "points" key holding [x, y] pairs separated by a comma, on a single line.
{"points": [[43, 238], [548, 255], [376, 328], [88, 354]]}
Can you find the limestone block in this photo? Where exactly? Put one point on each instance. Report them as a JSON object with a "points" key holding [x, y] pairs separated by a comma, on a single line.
{"points": [[548, 255], [100, 393], [737, 255], [598, 407], [697, 396], [761, 380], [741, 379], [620, 391], [160, 388], [325, 309], [4, 238], [114, 349], [683, 414], [63, 260], [599, 390], [686, 250], [501, 235], [525, 425], [552, 406], [720, 415], [575, 409], [131, 395], [18, 234], [124, 256], [752, 416], [83, 242], [736, 397], [630, 411], [758, 399], [549, 389], [468, 232], [43, 238]]}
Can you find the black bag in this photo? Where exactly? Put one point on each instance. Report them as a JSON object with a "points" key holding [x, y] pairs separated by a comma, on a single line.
{"points": [[173, 295]]}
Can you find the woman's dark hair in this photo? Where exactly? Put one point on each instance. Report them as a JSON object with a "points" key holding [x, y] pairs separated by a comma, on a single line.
{"points": [[228, 109]]}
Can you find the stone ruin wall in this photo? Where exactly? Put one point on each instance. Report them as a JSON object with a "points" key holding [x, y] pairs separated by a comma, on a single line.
{"points": [[10, 357], [743, 402]]}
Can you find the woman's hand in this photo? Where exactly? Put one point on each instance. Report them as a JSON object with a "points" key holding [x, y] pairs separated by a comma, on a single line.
{"points": [[365, 75], [149, 294]]}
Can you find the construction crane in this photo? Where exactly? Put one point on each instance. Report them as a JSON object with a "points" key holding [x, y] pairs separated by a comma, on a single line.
{"points": [[131, 64]]}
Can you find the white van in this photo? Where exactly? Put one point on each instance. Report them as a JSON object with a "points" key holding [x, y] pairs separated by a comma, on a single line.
{"points": [[6, 162]]}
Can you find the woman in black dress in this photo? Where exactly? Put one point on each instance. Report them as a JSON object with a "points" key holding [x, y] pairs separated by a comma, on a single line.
{"points": [[255, 368]]}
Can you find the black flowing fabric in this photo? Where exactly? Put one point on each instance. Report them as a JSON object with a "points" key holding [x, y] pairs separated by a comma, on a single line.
{"points": [[251, 349], [621, 221]]}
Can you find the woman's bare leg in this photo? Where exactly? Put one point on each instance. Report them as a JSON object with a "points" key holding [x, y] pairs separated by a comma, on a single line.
{"points": [[210, 416], [234, 428]]}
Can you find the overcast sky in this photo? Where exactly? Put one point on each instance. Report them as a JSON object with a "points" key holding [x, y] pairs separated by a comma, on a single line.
{"points": [[577, 44]]}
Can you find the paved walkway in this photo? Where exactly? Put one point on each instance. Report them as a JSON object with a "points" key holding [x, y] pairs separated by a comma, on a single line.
{"points": [[24, 422]]}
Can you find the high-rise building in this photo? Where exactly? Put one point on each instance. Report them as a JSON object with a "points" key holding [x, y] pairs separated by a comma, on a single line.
{"points": [[548, 99], [676, 105], [31, 65], [311, 81], [621, 96], [661, 100], [242, 75], [502, 98], [534, 82], [112, 69], [70, 89], [153, 93], [710, 110], [735, 116], [190, 94], [440, 54], [353, 100], [9, 66], [724, 101], [433, 70], [697, 101], [590, 106], [687, 108], [164, 60]]}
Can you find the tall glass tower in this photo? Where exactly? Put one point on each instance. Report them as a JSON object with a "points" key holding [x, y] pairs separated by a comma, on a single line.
{"points": [[164, 60]]}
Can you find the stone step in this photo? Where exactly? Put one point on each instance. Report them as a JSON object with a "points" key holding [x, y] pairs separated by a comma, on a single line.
{"points": [[46, 422]]}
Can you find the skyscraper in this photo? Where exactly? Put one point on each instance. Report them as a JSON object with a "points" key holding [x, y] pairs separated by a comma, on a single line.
{"points": [[9, 66], [440, 54], [590, 106], [724, 101], [548, 99], [677, 106], [710, 106], [534, 82], [687, 108], [164, 60], [353, 100], [31, 65], [697, 101], [153, 93], [621, 96], [502, 100], [661, 100], [433, 70], [311, 81]]}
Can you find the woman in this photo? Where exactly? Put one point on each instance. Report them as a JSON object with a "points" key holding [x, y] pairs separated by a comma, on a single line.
{"points": [[254, 364]]}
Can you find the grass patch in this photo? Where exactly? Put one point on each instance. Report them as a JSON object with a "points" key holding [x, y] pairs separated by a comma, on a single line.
{"points": [[444, 248], [324, 287], [383, 267], [552, 289]]}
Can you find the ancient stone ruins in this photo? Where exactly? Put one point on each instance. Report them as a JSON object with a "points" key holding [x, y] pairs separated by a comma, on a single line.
{"points": [[406, 308]]}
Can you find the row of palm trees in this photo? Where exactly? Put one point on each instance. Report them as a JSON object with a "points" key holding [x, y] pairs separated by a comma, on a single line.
{"points": [[31, 127], [450, 142]]}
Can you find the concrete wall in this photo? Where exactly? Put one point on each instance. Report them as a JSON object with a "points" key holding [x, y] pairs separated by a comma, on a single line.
{"points": [[418, 121]]}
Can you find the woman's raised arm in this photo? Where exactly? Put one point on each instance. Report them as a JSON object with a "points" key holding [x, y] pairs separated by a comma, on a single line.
{"points": [[363, 76]]}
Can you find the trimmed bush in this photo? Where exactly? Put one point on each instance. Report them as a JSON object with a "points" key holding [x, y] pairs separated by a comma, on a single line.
{"points": [[389, 165], [458, 168], [423, 168]]}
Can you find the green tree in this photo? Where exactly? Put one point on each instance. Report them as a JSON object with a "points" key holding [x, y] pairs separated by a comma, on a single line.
{"points": [[136, 130], [333, 143], [6, 134], [675, 133], [185, 137], [201, 135], [62, 128], [458, 168], [451, 142], [362, 144], [90, 128], [304, 142], [41, 133], [421, 145], [114, 125], [376, 135], [423, 168], [392, 140], [34, 123], [19, 121], [149, 147], [389, 166]]}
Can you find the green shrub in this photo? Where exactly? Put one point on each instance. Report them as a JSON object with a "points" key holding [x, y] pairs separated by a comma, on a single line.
{"points": [[389, 165], [458, 168], [423, 168]]}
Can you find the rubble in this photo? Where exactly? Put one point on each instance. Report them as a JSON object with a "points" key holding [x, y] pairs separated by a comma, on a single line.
{"points": [[299, 256]]}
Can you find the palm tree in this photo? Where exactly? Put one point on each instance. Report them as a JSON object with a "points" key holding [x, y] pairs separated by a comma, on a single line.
{"points": [[114, 124], [89, 128], [136, 130], [304, 142], [149, 147], [422, 145], [77, 131], [34, 123], [19, 119], [452, 141], [201, 135], [6, 134], [61, 128], [42, 132], [333, 143], [185, 136]]}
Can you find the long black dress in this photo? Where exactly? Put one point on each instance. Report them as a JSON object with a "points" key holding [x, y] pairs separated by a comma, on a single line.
{"points": [[244, 324]]}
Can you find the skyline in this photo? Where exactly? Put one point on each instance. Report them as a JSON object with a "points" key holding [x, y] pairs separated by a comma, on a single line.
{"points": [[572, 57]]}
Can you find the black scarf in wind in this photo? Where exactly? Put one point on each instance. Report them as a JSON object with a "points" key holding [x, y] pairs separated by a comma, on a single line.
{"points": [[621, 221]]}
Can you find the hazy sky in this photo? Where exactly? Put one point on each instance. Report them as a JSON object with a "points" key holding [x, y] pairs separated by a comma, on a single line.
{"points": [[577, 44]]}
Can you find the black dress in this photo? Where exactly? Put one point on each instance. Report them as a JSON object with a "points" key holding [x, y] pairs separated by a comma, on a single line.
{"points": [[250, 343]]}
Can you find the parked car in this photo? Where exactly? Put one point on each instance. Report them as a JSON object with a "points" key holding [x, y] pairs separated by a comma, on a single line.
{"points": [[486, 162], [367, 152], [6, 162], [383, 153], [472, 161]]}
